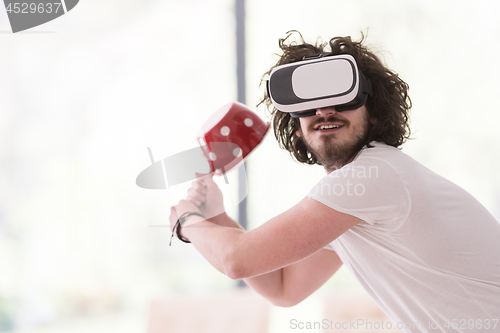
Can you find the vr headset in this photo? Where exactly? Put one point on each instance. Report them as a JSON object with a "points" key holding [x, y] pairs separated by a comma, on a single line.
{"points": [[300, 88]]}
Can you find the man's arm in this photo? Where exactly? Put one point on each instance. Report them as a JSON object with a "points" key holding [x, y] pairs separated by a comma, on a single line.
{"points": [[292, 284], [286, 239], [286, 285]]}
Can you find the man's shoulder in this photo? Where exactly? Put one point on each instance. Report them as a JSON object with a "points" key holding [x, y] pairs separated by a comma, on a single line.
{"points": [[376, 163], [380, 162]]}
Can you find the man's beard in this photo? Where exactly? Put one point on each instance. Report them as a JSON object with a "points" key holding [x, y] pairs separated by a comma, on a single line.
{"points": [[334, 155]]}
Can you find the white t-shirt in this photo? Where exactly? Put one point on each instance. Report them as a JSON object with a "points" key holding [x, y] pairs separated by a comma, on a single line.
{"points": [[427, 251]]}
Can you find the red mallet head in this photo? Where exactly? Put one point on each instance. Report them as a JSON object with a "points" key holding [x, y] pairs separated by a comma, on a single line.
{"points": [[233, 123]]}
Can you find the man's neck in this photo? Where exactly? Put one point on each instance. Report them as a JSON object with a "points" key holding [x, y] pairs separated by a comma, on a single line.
{"points": [[331, 169]]}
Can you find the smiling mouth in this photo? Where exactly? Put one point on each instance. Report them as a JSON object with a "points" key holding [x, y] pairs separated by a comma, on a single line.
{"points": [[327, 127]]}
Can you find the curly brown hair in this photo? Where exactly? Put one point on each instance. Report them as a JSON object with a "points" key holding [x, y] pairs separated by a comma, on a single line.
{"points": [[389, 104]]}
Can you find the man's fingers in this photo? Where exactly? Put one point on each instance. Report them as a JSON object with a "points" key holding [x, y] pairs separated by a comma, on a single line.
{"points": [[205, 179], [199, 186], [194, 200], [196, 195]]}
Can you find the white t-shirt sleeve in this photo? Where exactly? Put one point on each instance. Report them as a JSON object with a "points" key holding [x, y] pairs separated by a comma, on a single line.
{"points": [[368, 188]]}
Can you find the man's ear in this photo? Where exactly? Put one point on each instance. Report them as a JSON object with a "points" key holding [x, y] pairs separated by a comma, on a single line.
{"points": [[298, 133], [373, 121]]}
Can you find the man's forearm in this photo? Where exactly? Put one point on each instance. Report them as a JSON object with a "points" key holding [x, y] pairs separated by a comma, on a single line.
{"points": [[210, 239], [214, 242], [226, 221], [268, 285]]}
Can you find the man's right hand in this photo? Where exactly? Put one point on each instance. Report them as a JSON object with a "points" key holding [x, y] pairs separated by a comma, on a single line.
{"points": [[207, 196]]}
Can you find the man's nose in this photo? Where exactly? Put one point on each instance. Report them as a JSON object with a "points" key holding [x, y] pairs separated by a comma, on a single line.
{"points": [[323, 112]]}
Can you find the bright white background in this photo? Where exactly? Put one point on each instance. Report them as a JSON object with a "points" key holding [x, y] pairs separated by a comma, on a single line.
{"points": [[83, 96]]}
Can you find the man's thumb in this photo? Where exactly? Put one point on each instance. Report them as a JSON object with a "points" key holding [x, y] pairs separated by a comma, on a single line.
{"points": [[205, 177]]}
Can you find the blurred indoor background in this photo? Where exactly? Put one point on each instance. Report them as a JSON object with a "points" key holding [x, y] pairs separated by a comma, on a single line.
{"points": [[83, 249]]}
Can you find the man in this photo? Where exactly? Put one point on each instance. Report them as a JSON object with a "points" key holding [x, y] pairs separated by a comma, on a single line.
{"points": [[424, 249]]}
